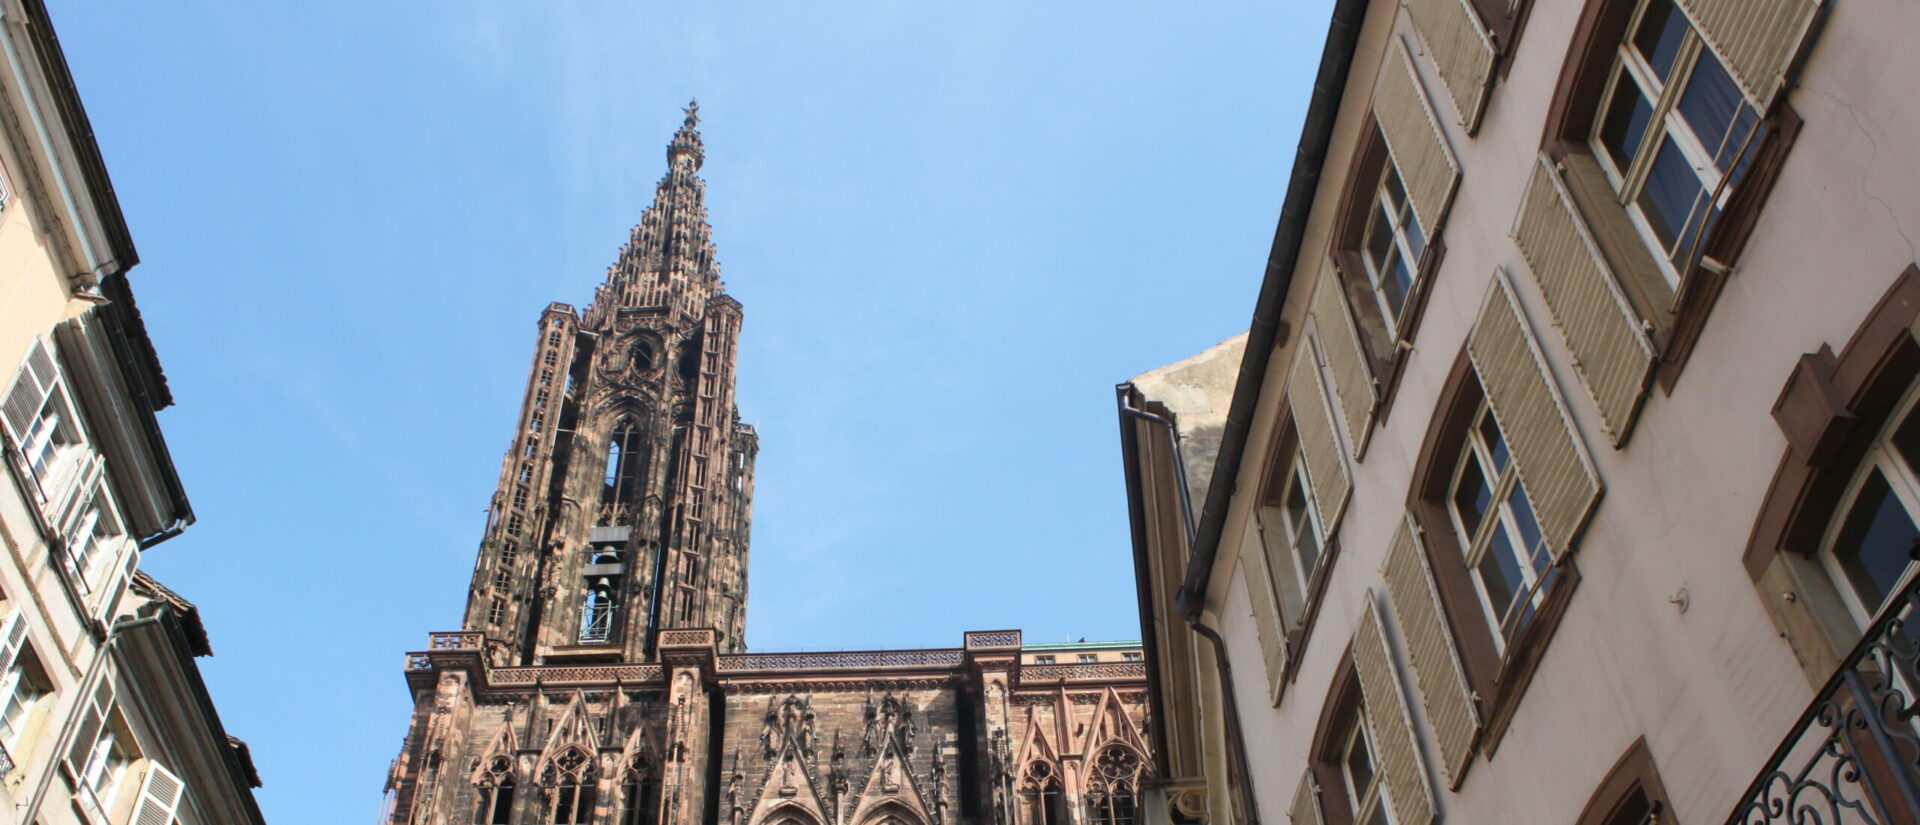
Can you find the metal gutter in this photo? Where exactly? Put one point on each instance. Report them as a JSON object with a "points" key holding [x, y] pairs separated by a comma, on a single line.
{"points": [[1241, 775], [1316, 134], [127, 335]]}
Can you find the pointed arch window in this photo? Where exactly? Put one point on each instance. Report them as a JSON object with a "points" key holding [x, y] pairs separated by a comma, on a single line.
{"points": [[639, 793], [626, 460], [1113, 791], [1040, 787], [566, 788], [493, 787]]}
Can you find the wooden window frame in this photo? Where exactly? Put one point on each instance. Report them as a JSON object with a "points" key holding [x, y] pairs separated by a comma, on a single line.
{"points": [[1633, 770], [1349, 229], [1855, 392], [1498, 679], [1341, 708], [1282, 455], [1505, 21], [1831, 409], [1676, 318]]}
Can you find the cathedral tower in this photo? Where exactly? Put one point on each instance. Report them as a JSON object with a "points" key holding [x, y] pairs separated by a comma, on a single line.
{"points": [[599, 676], [623, 501]]}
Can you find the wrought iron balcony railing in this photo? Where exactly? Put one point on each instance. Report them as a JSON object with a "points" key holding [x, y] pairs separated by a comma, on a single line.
{"points": [[1854, 755]]}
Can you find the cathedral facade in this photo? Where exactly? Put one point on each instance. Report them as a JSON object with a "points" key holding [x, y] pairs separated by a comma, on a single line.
{"points": [[600, 676]]}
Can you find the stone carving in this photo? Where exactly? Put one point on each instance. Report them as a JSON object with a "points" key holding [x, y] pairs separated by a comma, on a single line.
{"points": [[791, 722], [734, 809], [890, 718]]}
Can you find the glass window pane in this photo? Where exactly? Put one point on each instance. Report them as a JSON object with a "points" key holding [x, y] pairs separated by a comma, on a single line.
{"points": [[1471, 497], [1396, 193], [1874, 541], [1496, 443], [1359, 764], [1672, 189], [1529, 528], [1710, 103], [1379, 238], [1625, 123], [1662, 29], [1410, 229], [1743, 124], [1396, 280], [1906, 441], [1634, 810], [1307, 546], [1499, 572]]}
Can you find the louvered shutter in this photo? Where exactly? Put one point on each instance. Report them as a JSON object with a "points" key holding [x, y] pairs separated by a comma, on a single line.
{"points": [[1306, 801], [1553, 463], [1430, 649], [1757, 40], [1320, 446], [160, 796], [1462, 50], [1353, 379], [1401, 767], [93, 720], [1610, 347], [1267, 621], [116, 584], [1427, 166], [13, 637], [30, 390]]}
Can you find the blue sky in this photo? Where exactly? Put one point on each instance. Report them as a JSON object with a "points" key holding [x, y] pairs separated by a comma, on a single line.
{"points": [[954, 228]]}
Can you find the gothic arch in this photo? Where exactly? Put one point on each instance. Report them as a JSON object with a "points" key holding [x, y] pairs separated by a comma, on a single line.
{"points": [[892, 812], [1113, 784], [788, 813], [567, 780]]}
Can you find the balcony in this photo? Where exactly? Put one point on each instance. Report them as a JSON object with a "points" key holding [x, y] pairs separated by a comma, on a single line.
{"points": [[1854, 754]]}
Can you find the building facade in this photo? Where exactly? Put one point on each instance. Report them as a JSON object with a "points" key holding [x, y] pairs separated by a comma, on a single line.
{"points": [[104, 718], [1569, 473], [600, 675]]}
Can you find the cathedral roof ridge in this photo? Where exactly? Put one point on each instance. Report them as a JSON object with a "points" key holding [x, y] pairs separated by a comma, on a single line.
{"points": [[1081, 645]]}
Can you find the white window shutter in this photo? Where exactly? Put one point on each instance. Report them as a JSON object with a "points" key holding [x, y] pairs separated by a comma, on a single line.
{"points": [[1319, 445], [1414, 139], [1560, 479], [1401, 766], [93, 720], [13, 636], [1462, 51], [160, 796], [30, 389], [1757, 40], [116, 583]]}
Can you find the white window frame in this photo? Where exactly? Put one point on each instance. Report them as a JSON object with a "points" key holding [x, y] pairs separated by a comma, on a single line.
{"points": [[16, 688], [50, 468], [1881, 457], [1363, 801], [1500, 518], [1665, 120], [1396, 220], [1298, 478]]}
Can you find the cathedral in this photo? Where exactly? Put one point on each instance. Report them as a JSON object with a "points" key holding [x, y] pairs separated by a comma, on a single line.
{"points": [[600, 675]]}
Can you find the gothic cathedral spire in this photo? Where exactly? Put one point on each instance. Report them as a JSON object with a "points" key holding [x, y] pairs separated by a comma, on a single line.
{"points": [[668, 260], [623, 503]]}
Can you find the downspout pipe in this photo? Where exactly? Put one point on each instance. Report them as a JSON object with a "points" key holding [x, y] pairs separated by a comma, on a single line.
{"points": [[1236, 743], [86, 687]]}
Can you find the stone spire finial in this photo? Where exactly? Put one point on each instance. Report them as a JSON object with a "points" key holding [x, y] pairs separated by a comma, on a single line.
{"points": [[686, 141]]}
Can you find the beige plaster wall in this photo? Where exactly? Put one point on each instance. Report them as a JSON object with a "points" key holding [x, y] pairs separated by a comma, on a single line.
{"points": [[1714, 688]]}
